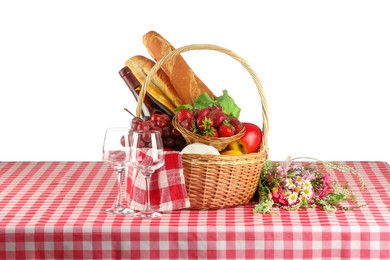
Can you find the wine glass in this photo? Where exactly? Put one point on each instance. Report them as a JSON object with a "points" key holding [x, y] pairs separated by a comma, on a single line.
{"points": [[116, 151], [146, 155]]}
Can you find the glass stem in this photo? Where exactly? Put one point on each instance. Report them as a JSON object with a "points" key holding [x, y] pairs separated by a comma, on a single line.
{"points": [[119, 176], [147, 197]]}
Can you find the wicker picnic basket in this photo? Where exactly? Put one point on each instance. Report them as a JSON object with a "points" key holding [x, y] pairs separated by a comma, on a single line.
{"points": [[220, 181]]}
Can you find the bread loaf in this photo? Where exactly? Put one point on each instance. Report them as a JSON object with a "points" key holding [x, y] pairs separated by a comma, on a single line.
{"points": [[141, 67], [186, 83]]}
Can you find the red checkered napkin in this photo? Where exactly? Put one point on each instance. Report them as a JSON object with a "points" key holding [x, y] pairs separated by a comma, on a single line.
{"points": [[167, 186]]}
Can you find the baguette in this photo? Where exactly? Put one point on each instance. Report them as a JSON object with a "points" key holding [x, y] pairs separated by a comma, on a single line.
{"points": [[186, 83], [159, 83]]}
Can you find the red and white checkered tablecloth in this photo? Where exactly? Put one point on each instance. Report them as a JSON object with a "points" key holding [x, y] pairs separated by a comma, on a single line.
{"points": [[55, 210]]}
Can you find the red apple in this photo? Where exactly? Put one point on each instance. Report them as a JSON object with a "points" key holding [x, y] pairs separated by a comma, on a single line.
{"points": [[250, 141]]}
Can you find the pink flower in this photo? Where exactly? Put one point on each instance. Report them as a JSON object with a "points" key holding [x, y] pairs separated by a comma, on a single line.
{"points": [[278, 196], [327, 185], [306, 175], [327, 179], [275, 194], [283, 201], [324, 191], [283, 169]]}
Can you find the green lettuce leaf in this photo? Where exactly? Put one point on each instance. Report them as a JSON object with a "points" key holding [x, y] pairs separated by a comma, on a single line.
{"points": [[228, 105], [203, 100]]}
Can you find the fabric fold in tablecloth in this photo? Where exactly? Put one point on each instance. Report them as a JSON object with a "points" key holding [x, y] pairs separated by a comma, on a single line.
{"points": [[167, 186]]}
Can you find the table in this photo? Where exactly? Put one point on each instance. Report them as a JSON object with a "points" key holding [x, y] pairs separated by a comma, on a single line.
{"points": [[55, 210]]}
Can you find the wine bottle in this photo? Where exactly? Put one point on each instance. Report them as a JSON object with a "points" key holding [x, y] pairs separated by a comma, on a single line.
{"points": [[150, 105]]}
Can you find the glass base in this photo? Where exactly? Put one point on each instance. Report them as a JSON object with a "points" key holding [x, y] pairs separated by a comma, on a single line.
{"points": [[120, 210], [147, 215]]}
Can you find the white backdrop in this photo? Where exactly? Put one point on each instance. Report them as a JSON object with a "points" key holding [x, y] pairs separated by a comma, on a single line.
{"points": [[324, 66]]}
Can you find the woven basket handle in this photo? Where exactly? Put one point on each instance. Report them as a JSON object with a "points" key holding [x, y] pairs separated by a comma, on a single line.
{"points": [[156, 67]]}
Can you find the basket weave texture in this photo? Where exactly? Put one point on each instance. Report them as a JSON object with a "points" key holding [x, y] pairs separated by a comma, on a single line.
{"points": [[220, 181]]}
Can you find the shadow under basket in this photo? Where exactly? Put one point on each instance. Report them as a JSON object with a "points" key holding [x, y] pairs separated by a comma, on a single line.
{"points": [[220, 181]]}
